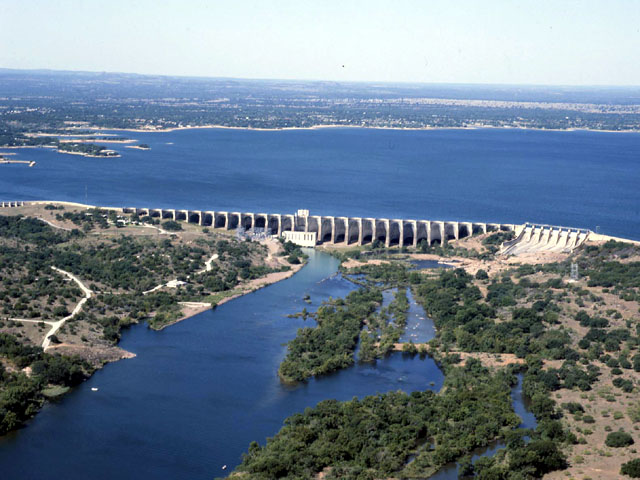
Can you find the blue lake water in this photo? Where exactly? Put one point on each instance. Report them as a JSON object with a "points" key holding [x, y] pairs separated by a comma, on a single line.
{"points": [[579, 179]]}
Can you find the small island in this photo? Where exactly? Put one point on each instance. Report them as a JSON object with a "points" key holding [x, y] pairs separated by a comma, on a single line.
{"points": [[142, 146]]}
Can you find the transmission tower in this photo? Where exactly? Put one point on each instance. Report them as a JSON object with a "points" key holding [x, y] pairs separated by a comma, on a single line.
{"points": [[574, 271]]}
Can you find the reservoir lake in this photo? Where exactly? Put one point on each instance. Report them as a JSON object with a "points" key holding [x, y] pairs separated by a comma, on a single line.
{"points": [[576, 179], [199, 392]]}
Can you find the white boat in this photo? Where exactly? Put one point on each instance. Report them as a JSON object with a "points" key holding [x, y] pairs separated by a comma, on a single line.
{"points": [[94, 389]]}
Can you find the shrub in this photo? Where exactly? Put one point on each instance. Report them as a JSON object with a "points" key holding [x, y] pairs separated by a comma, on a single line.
{"points": [[171, 226], [631, 468], [481, 275], [618, 439]]}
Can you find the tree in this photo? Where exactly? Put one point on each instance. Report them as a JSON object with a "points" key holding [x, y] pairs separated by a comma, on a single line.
{"points": [[481, 275], [618, 439], [631, 468]]}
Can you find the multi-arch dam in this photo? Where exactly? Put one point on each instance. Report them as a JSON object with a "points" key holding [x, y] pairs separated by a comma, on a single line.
{"points": [[332, 229], [365, 230]]}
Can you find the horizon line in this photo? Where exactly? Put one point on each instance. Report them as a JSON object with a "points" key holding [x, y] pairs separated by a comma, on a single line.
{"points": [[308, 80]]}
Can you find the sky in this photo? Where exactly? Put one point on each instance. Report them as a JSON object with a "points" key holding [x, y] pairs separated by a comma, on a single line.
{"points": [[562, 42]]}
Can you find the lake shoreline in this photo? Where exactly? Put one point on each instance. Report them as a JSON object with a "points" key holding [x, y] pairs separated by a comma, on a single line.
{"points": [[333, 126]]}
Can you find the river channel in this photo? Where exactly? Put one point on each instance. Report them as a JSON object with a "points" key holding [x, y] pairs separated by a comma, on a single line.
{"points": [[199, 392]]}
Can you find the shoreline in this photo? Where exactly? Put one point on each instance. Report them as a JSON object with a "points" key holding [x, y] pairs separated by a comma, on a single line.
{"points": [[259, 284], [82, 154], [318, 127], [88, 155]]}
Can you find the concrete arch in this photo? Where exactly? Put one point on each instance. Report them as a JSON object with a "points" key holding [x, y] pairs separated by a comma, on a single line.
{"points": [[339, 229], [182, 215], [193, 216], [246, 221], [394, 237], [367, 229], [300, 223], [422, 232], [233, 220], [325, 234], [314, 224], [381, 231], [286, 223], [408, 233], [220, 220], [168, 214], [451, 230], [353, 230], [260, 220], [465, 229], [437, 233], [207, 219], [273, 224], [479, 228]]}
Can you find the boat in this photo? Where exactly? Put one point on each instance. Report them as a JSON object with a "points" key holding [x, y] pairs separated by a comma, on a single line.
{"points": [[94, 389]]}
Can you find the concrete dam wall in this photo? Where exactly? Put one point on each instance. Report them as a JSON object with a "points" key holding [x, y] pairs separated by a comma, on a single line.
{"points": [[362, 231], [329, 229]]}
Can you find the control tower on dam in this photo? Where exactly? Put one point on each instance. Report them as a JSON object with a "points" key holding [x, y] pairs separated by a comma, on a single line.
{"points": [[333, 229]]}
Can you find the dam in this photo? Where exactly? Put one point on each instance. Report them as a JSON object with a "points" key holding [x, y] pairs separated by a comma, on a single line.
{"points": [[358, 231], [332, 229]]}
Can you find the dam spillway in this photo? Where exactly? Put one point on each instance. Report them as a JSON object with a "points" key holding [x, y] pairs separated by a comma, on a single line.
{"points": [[531, 238]]}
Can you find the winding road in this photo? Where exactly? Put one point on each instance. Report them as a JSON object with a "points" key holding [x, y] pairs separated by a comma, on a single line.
{"points": [[55, 326]]}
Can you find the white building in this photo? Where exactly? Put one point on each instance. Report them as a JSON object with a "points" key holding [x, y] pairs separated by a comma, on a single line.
{"points": [[304, 239]]}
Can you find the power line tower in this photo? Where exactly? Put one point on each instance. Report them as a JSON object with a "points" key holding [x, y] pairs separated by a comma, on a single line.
{"points": [[574, 271]]}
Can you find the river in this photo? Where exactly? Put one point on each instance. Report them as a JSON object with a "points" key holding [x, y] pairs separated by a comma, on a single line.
{"points": [[199, 392]]}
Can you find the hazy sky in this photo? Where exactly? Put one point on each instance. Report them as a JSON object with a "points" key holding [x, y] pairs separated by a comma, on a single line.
{"points": [[464, 41]]}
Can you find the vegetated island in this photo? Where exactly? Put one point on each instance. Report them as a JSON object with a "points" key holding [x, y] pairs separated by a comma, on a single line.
{"points": [[575, 341], [142, 146], [72, 277]]}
